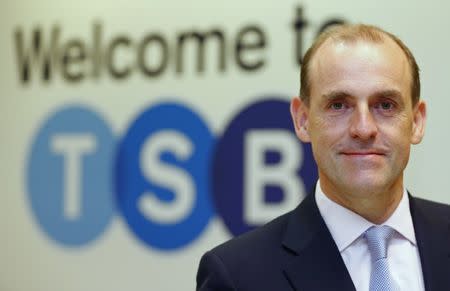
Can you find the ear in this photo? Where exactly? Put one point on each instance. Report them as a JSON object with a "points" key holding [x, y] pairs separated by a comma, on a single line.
{"points": [[300, 114], [419, 118]]}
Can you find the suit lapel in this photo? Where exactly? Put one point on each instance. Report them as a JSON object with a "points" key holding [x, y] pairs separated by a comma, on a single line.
{"points": [[432, 229], [317, 263]]}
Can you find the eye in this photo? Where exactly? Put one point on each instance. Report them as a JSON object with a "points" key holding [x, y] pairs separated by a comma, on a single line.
{"points": [[337, 105], [385, 105]]}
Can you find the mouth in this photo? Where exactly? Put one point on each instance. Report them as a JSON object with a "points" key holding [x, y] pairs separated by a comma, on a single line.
{"points": [[363, 153]]}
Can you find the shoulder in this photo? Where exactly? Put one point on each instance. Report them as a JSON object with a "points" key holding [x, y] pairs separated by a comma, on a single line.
{"points": [[245, 258], [254, 242], [432, 206], [431, 209]]}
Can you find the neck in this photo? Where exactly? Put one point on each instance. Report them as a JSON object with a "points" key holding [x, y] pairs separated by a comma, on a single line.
{"points": [[375, 206]]}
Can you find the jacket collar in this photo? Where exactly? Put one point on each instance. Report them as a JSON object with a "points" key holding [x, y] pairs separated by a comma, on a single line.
{"points": [[317, 262]]}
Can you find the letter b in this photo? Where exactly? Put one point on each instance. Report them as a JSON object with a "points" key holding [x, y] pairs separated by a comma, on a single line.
{"points": [[260, 169], [258, 173]]}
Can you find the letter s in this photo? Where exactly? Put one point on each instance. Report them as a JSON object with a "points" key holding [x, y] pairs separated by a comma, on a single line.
{"points": [[168, 176]]}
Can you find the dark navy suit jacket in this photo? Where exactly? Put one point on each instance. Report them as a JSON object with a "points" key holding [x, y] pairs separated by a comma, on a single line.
{"points": [[297, 252]]}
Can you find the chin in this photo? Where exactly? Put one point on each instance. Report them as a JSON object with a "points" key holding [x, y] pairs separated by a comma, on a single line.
{"points": [[368, 183]]}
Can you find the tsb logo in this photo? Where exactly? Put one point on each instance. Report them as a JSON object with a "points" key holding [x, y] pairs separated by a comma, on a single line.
{"points": [[167, 175]]}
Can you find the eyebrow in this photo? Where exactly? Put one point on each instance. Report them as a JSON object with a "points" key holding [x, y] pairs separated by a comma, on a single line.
{"points": [[389, 93], [340, 94], [333, 95]]}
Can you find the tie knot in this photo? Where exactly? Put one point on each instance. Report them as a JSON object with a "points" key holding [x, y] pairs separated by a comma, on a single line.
{"points": [[378, 238]]}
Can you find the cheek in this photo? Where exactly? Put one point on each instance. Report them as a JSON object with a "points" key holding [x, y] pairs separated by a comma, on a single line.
{"points": [[399, 131], [321, 125], [324, 139], [327, 130]]}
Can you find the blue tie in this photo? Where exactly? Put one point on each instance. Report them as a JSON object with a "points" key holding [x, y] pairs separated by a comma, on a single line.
{"points": [[378, 238]]}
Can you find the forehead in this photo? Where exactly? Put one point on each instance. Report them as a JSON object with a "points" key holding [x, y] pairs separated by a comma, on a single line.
{"points": [[360, 65]]}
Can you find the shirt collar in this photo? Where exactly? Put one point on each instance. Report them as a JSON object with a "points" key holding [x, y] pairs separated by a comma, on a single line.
{"points": [[346, 226]]}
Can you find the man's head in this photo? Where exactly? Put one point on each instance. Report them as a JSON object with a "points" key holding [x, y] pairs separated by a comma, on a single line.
{"points": [[354, 33], [360, 110]]}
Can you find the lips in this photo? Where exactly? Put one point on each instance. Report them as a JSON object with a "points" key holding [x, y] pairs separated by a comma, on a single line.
{"points": [[362, 153], [365, 152]]}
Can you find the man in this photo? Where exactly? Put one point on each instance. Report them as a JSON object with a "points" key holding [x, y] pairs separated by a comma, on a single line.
{"points": [[360, 109]]}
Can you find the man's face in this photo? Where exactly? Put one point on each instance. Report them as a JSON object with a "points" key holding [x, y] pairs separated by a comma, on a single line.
{"points": [[360, 120]]}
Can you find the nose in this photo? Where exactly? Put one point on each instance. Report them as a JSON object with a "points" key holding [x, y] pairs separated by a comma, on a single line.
{"points": [[362, 124]]}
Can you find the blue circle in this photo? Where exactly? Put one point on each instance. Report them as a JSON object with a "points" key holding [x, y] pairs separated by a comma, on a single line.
{"points": [[228, 163], [51, 169], [132, 183]]}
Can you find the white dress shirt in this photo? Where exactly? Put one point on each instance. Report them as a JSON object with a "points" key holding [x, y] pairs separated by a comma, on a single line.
{"points": [[347, 229]]}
